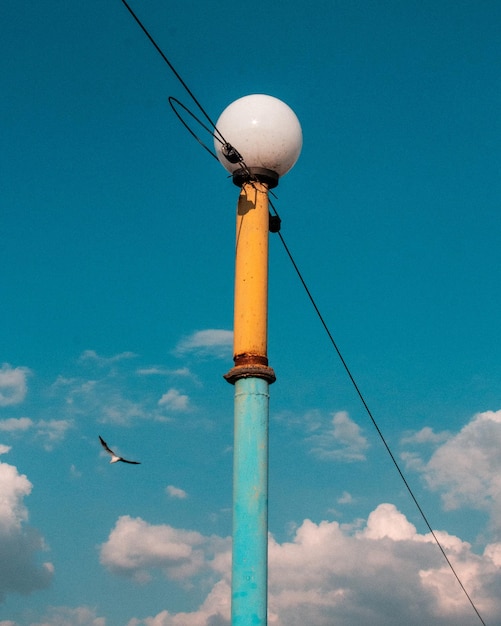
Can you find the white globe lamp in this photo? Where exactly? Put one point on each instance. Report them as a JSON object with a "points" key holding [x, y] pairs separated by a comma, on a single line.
{"points": [[262, 139]]}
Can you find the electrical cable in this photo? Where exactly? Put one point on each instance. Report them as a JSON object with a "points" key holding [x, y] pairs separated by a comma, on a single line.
{"points": [[371, 416], [234, 156], [175, 102], [172, 68], [228, 150]]}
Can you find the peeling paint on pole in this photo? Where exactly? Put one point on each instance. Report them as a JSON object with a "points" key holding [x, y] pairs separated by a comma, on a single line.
{"points": [[251, 376], [250, 508]]}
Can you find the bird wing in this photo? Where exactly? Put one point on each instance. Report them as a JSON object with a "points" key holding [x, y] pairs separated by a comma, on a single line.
{"points": [[115, 456], [105, 446]]}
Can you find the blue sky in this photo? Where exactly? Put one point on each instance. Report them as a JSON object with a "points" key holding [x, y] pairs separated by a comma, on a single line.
{"points": [[116, 296]]}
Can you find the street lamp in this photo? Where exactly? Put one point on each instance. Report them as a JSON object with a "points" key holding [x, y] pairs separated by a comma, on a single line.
{"points": [[263, 141]]}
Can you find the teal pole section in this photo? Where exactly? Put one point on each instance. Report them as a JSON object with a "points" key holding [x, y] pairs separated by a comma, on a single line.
{"points": [[250, 503]]}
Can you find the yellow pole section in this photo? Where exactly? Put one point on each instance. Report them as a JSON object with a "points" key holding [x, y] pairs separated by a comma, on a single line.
{"points": [[251, 276]]}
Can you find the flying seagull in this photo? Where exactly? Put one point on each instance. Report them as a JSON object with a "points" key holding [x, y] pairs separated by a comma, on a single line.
{"points": [[114, 457]]}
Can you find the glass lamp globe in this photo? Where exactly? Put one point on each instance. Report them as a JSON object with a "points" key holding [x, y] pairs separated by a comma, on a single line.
{"points": [[264, 132]]}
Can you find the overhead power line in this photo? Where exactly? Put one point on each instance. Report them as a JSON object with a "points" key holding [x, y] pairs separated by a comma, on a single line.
{"points": [[373, 420]]}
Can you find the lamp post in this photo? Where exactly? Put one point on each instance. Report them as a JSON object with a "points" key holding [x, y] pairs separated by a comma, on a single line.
{"points": [[267, 135]]}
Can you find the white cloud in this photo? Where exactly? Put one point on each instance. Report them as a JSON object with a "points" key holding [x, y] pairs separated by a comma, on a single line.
{"points": [[74, 471], [212, 342], [15, 487], [19, 544], [412, 460], [152, 371], [119, 410], [93, 356], [67, 616], [52, 431], [134, 547], [4, 449], [341, 440], [118, 395], [176, 492], [493, 551], [383, 573], [174, 400], [14, 424], [110, 398], [104, 400], [159, 371], [215, 611], [387, 521], [467, 467], [13, 387], [345, 498], [426, 435], [181, 371]]}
